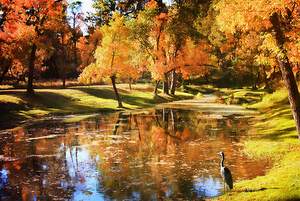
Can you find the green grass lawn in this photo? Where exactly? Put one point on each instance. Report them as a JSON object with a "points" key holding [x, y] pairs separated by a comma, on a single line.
{"points": [[274, 137], [242, 96], [15, 105]]}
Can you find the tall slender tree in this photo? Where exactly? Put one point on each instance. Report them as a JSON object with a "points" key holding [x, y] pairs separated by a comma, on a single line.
{"points": [[112, 57]]}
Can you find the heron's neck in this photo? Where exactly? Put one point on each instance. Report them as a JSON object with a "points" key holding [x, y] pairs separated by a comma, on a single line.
{"points": [[222, 161]]}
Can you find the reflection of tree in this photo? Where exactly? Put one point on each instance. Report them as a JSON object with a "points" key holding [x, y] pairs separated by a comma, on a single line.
{"points": [[117, 124], [145, 155], [153, 164], [125, 171], [36, 171]]}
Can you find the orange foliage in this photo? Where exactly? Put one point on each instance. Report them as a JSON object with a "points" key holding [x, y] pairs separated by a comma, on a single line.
{"points": [[152, 4], [26, 23], [252, 17], [193, 59], [87, 47]]}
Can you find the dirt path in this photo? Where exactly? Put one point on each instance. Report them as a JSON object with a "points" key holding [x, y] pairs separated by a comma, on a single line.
{"points": [[209, 103]]}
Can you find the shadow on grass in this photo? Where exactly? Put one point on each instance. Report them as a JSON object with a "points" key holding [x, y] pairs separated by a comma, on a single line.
{"points": [[199, 89], [251, 190], [280, 135], [277, 122], [22, 106], [256, 190], [129, 97], [107, 93], [47, 100], [40, 104]]}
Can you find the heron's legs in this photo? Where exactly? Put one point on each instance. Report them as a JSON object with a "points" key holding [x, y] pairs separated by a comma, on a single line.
{"points": [[224, 185]]}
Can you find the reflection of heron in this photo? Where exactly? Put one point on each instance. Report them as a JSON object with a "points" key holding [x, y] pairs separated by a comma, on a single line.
{"points": [[225, 173]]}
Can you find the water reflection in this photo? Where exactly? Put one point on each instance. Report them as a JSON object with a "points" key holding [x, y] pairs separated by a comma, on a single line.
{"points": [[148, 155]]}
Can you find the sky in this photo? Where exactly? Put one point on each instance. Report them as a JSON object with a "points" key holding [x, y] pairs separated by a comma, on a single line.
{"points": [[87, 5]]}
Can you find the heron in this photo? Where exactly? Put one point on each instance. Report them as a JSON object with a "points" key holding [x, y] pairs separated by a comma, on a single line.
{"points": [[225, 173]]}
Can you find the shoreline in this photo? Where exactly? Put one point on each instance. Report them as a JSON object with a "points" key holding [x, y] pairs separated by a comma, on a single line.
{"points": [[17, 107]]}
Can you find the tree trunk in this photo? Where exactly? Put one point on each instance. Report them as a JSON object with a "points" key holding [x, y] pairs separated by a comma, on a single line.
{"points": [[256, 82], [74, 40], [6, 68], [64, 82], [266, 80], [173, 82], [75, 55], [156, 87], [113, 81], [31, 69], [117, 124], [286, 71], [63, 74], [173, 122], [183, 84], [165, 119], [166, 84], [63, 61], [130, 80]]}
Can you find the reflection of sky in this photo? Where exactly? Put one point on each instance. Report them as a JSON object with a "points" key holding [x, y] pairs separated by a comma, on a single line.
{"points": [[85, 178], [84, 175], [208, 186], [3, 178]]}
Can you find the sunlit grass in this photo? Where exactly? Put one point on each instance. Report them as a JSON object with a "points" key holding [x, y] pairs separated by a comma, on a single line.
{"points": [[80, 100], [278, 98], [6, 87], [280, 183], [10, 99], [274, 137]]}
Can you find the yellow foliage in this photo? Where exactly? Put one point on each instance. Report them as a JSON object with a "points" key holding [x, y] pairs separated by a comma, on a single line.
{"points": [[113, 56]]}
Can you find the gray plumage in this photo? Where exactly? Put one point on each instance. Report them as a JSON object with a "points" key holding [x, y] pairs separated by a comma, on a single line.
{"points": [[225, 173]]}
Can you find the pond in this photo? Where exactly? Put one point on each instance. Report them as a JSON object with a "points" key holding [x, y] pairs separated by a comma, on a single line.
{"points": [[165, 153]]}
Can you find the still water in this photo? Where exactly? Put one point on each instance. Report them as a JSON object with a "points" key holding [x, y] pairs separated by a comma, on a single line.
{"points": [[164, 153]]}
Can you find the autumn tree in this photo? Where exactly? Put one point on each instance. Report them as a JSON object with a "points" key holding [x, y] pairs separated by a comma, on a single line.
{"points": [[223, 48], [194, 59], [7, 38], [29, 22], [87, 46], [180, 28], [164, 38], [62, 57], [112, 57], [279, 20], [241, 58], [147, 30]]}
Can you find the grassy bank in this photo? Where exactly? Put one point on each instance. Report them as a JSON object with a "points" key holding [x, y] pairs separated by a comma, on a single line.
{"points": [[15, 105], [242, 96], [274, 137]]}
